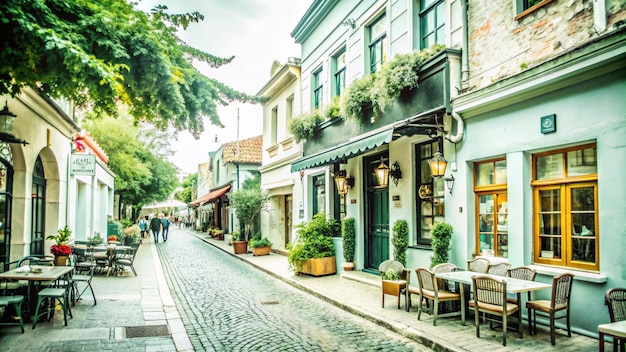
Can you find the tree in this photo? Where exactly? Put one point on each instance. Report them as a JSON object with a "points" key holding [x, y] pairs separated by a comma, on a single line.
{"points": [[187, 195], [247, 203], [100, 53]]}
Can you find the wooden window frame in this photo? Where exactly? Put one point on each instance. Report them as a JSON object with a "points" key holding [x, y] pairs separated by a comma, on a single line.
{"points": [[565, 185], [317, 86], [495, 190]]}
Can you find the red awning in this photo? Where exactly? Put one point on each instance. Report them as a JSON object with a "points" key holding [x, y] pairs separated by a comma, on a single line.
{"points": [[210, 197]]}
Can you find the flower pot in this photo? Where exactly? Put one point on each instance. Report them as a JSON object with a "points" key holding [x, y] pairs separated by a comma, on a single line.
{"points": [[60, 260], [348, 266], [240, 247], [261, 251], [319, 266]]}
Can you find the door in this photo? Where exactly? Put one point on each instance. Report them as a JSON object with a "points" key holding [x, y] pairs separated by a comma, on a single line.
{"points": [[37, 237], [377, 216], [288, 209]]}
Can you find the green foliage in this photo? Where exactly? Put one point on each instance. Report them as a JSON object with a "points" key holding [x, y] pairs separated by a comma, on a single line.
{"points": [[400, 240], [259, 242], [441, 234], [253, 182], [303, 126], [377, 91], [95, 239], [391, 274], [188, 188], [315, 240], [101, 53], [332, 110], [348, 233], [62, 237], [247, 204]]}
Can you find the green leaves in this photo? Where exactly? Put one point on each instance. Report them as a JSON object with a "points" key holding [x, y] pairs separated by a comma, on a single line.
{"points": [[400, 240]]}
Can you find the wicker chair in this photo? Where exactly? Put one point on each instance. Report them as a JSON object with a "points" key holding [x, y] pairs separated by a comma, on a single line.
{"points": [[561, 292], [490, 298], [615, 299], [522, 273], [394, 287], [478, 265], [429, 290], [499, 269]]}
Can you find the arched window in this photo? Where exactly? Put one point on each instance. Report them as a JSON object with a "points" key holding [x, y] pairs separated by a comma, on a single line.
{"points": [[39, 209], [6, 198]]}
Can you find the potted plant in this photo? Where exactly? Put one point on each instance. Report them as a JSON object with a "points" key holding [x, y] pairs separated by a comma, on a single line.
{"points": [[313, 252], [61, 250], [247, 203], [441, 234], [96, 239], [348, 233], [260, 245], [303, 126], [131, 235], [400, 240]]}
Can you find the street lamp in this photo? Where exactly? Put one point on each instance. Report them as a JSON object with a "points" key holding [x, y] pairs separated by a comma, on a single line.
{"points": [[7, 118], [438, 169]]}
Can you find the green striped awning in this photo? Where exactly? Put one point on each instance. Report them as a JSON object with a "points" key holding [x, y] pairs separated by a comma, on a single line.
{"points": [[343, 151]]}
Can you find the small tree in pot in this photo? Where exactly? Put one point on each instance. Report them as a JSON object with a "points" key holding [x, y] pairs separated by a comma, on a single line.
{"points": [[348, 233], [400, 240], [441, 234]]}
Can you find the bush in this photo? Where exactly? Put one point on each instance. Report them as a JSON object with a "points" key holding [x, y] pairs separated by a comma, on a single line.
{"points": [[400, 240], [348, 233], [303, 126], [315, 240], [441, 234], [259, 242]]}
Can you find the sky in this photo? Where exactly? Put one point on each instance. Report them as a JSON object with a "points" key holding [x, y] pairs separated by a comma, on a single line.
{"points": [[256, 32]]}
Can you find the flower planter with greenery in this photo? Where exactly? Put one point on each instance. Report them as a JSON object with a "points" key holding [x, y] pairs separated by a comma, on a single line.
{"points": [[400, 240], [441, 233], [302, 126], [131, 235], [348, 233], [61, 250], [313, 252], [260, 245]]}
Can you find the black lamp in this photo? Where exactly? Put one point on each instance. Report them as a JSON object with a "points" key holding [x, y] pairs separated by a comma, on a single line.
{"points": [[438, 169], [382, 174], [395, 173], [7, 118]]}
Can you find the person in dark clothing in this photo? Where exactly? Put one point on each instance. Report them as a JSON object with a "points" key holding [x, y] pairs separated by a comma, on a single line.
{"points": [[165, 222], [155, 226]]}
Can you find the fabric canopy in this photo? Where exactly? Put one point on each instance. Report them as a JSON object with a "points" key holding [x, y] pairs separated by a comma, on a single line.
{"points": [[344, 150], [170, 203], [210, 197]]}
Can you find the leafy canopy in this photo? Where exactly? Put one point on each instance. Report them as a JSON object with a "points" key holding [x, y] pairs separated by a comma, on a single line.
{"points": [[100, 53]]}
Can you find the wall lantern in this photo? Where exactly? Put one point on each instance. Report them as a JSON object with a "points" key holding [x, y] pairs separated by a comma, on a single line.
{"points": [[382, 174], [343, 182], [438, 169], [7, 118], [395, 173]]}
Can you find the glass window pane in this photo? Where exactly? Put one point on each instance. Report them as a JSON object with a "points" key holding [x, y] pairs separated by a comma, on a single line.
{"points": [[484, 174], [378, 28], [582, 162], [584, 250], [500, 172], [550, 166]]}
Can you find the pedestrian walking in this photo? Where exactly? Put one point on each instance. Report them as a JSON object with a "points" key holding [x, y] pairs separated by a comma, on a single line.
{"points": [[165, 223], [155, 226], [143, 225]]}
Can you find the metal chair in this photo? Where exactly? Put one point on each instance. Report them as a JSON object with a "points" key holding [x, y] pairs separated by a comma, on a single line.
{"points": [[126, 259], [16, 303], [561, 292], [490, 298], [499, 269], [478, 265], [429, 290], [84, 266]]}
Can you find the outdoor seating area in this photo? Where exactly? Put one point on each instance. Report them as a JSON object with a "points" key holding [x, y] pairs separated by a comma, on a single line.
{"points": [[615, 300]]}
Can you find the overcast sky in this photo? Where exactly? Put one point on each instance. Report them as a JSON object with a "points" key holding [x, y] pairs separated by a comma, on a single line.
{"points": [[256, 32]]}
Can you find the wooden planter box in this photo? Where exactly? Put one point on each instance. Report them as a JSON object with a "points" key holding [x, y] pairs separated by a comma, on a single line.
{"points": [[261, 250], [320, 266]]}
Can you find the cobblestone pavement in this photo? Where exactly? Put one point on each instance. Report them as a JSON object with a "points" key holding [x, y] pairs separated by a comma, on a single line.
{"points": [[227, 305]]}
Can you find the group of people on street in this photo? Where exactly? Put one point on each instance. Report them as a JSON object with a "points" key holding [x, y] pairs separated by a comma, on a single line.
{"points": [[159, 224]]}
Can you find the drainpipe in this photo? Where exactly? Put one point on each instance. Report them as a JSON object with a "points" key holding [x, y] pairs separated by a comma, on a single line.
{"points": [[464, 74]]}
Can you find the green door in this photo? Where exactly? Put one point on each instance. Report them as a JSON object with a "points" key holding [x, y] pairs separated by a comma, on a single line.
{"points": [[377, 218]]}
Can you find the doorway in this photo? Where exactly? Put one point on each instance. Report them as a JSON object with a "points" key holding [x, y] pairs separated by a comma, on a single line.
{"points": [[377, 215], [38, 200]]}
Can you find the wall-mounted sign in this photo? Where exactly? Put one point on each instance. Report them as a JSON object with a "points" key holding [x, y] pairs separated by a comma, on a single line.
{"points": [[83, 164], [548, 124]]}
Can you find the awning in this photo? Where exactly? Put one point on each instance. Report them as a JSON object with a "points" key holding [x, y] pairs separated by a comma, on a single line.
{"points": [[211, 196], [345, 150]]}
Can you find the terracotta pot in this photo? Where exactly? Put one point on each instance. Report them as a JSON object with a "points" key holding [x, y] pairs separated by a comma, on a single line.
{"points": [[348, 266], [240, 247]]}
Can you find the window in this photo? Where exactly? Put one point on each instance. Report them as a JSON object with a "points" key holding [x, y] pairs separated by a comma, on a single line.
{"points": [[430, 192], [319, 194], [339, 69], [432, 22], [318, 90], [524, 7], [492, 213], [378, 43], [565, 192], [274, 127], [288, 111]]}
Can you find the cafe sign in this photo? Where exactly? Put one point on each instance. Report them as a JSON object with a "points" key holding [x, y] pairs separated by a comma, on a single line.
{"points": [[83, 164]]}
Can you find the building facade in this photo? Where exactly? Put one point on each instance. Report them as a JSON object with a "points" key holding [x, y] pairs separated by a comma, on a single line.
{"points": [[529, 177]]}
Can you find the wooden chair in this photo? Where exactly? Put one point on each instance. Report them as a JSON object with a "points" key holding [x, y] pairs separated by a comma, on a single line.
{"points": [[561, 291], [394, 287], [478, 265], [499, 269], [615, 299], [429, 290], [490, 298]]}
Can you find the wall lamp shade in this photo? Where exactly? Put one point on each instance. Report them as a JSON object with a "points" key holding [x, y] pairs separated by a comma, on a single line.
{"points": [[395, 173], [7, 118], [343, 182], [438, 169], [382, 174]]}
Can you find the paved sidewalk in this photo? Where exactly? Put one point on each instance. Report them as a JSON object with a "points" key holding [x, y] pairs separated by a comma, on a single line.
{"points": [[360, 294]]}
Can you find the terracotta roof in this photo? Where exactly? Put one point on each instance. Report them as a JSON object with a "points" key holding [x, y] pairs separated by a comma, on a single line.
{"points": [[250, 151]]}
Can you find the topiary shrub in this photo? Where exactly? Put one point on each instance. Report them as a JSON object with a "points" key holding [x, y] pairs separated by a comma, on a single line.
{"points": [[400, 240], [348, 233], [441, 234]]}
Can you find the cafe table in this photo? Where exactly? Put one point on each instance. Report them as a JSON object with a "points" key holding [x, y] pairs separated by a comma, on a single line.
{"points": [[111, 250], [47, 274], [513, 285], [617, 330]]}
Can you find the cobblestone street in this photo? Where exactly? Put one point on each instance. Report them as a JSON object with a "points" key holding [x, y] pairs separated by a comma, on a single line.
{"points": [[226, 304]]}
